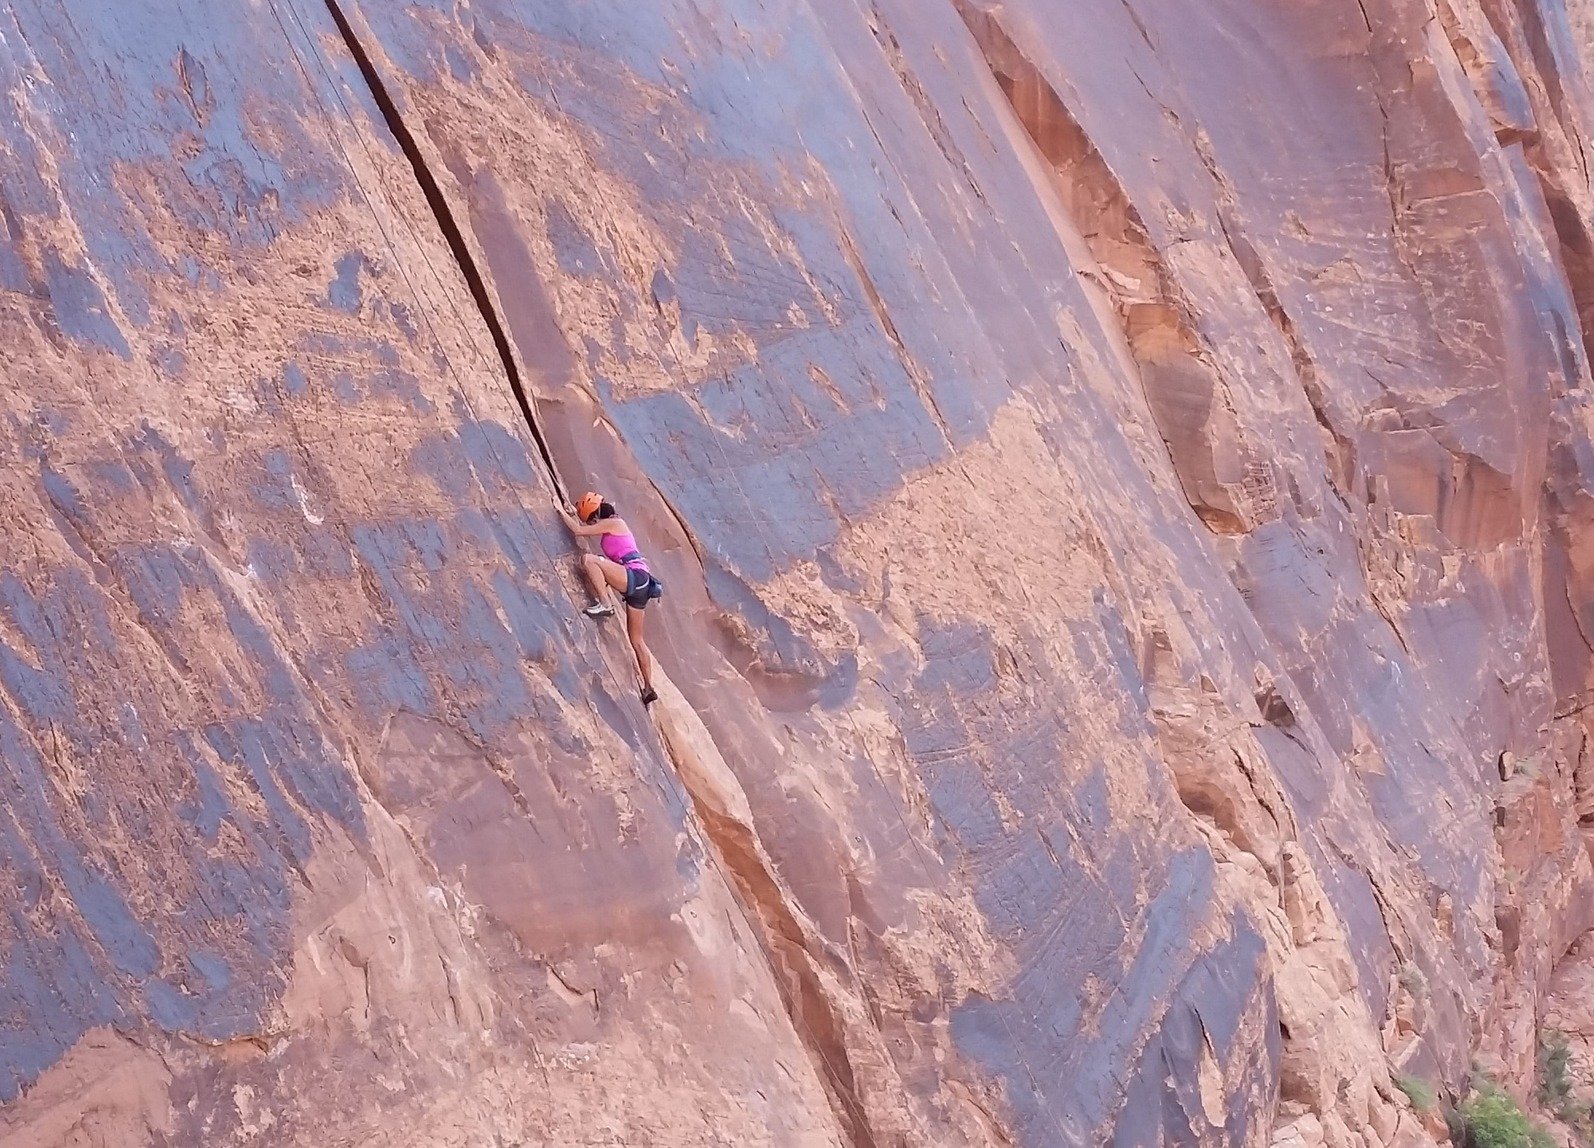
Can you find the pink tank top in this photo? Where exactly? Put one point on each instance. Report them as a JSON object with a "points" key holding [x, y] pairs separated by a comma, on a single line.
{"points": [[621, 548]]}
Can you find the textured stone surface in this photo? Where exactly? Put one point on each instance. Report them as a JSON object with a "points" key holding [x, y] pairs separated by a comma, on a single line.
{"points": [[1122, 480]]}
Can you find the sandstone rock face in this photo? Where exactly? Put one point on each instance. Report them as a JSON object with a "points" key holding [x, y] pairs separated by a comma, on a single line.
{"points": [[1122, 474]]}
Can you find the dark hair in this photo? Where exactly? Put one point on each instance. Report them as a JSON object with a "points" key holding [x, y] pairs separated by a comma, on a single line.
{"points": [[606, 510]]}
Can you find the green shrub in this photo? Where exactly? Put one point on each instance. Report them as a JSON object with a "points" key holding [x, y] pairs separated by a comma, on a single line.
{"points": [[1556, 1086], [1492, 1119], [1555, 1080], [1580, 1119], [1418, 1091], [1412, 980]]}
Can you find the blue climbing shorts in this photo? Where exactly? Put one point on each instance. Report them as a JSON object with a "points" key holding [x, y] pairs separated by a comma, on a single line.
{"points": [[641, 588]]}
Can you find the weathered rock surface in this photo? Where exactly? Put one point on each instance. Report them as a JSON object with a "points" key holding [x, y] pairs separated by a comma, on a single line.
{"points": [[1121, 471]]}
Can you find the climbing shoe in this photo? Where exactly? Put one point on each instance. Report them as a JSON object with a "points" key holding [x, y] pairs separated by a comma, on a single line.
{"points": [[601, 610], [649, 697]]}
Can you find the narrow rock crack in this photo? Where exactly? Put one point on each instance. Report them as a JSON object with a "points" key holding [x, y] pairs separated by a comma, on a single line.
{"points": [[450, 229], [789, 946]]}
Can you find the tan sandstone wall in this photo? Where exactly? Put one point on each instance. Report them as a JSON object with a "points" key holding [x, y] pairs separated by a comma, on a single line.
{"points": [[1120, 473]]}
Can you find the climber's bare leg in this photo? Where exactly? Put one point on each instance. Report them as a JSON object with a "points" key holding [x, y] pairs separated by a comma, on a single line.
{"points": [[644, 661], [603, 576]]}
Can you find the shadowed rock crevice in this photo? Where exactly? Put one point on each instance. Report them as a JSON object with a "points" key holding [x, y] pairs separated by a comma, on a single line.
{"points": [[1487, 41], [1184, 388], [1340, 445], [1577, 256], [807, 973]]}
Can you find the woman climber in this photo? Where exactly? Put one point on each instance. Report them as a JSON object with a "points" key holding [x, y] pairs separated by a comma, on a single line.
{"points": [[622, 569]]}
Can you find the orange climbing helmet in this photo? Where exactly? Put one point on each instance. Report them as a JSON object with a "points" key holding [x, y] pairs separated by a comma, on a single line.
{"points": [[588, 505]]}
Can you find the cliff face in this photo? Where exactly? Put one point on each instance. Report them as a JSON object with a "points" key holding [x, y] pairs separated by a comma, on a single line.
{"points": [[1121, 471]]}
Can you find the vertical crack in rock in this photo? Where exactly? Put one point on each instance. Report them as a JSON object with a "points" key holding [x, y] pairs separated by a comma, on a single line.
{"points": [[1341, 456], [910, 366], [1484, 48], [792, 945], [1184, 388], [803, 971], [447, 224]]}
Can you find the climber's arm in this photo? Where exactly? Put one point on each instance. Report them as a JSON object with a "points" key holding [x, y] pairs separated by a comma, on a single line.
{"points": [[581, 529]]}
